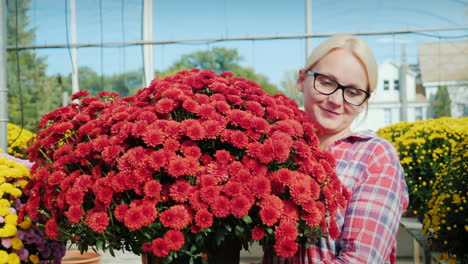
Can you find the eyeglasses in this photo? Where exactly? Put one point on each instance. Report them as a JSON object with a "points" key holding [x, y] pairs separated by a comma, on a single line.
{"points": [[326, 85]]}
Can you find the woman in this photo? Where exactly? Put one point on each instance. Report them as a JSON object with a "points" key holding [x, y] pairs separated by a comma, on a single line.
{"points": [[336, 83]]}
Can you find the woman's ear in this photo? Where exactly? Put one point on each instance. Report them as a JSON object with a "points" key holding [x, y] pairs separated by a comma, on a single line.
{"points": [[300, 81]]}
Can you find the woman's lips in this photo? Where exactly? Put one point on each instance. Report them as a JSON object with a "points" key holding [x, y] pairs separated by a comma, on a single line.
{"points": [[330, 112]]}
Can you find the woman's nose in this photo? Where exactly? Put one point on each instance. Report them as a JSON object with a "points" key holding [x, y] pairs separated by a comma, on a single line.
{"points": [[336, 97]]}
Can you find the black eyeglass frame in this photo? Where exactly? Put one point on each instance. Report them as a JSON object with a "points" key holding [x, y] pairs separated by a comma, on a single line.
{"points": [[339, 87]]}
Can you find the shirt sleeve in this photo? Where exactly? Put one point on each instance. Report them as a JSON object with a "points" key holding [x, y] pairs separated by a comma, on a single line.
{"points": [[374, 210]]}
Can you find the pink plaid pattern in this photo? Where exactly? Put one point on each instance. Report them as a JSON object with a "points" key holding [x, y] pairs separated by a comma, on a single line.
{"points": [[370, 168]]}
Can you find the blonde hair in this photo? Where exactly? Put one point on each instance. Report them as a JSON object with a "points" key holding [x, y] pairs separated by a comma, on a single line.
{"points": [[357, 46]]}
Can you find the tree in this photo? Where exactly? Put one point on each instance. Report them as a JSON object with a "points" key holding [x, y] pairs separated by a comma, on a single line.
{"points": [[441, 103], [289, 85], [125, 84], [220, 60], [39, 93]]}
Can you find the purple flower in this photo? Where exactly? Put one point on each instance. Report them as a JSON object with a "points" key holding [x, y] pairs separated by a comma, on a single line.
{"points": [[6, 242], [23, 253]]}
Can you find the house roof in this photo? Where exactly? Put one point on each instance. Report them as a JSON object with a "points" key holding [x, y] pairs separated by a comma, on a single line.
{"points": [[409, 70], [444, 61]]}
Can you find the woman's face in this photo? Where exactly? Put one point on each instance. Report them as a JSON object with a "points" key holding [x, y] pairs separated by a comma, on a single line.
{"points": [[331, 112]]}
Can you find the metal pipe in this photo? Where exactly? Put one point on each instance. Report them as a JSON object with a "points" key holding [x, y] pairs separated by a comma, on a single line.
{"points": [[3, 78], [267, 37]]}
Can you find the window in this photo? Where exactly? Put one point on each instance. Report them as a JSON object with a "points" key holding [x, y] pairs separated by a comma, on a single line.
{"points": [[396, 85], [386, 85], [387, 116], [418, 113]]}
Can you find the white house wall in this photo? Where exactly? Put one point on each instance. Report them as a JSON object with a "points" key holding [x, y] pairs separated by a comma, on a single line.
{"points": [[385, 105]]}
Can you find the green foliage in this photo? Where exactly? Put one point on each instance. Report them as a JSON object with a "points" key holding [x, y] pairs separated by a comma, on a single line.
{"points": [[289, 85], [441, 103], [125, 84], [39, 92], [220, 60]]}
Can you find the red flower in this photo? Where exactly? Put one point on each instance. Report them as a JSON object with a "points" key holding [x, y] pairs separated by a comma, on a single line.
{"points": [[147, 247], [333, 230], [79, 94], [204, 218], [240, 206], [269, 215], [285, 176], [300, 192], [177, 167], [212, 128], [191, 105], [233, 188], [160, 247], [192, 152], [134, 218], [221, 207], [98, 221], [255, 108], [180, 191], [223, 156], [196, 201], [165, 105], [152, 189], [74, 214], [261, 187], [51, 229], [206, 180], [257, 233], [313, 218], [120, 211], [209, 194], [110, 153], [175, 239], [290, 212], [75, 197], [193, 129], [149, 212], [286, 231], [153, 137], [206, 110], [56, 177], [175, 217], [285, 248]]}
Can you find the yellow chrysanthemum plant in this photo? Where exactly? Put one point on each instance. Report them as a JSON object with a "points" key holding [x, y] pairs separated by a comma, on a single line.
{"points": [[425, 149], [446, 222], [21, 241], [19, 140]]}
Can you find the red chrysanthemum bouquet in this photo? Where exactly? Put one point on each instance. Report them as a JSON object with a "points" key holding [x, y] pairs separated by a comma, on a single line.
{"points": [[188, 162]]}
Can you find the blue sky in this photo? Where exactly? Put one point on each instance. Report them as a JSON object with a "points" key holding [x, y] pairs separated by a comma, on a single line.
{"points": [[187, 19]]}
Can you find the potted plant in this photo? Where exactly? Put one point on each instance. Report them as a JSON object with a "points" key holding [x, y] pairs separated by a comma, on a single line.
{"points": [[192, 163]]}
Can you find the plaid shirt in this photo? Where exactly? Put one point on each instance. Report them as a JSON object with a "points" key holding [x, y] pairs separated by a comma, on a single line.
{"points": [[370, 169]]}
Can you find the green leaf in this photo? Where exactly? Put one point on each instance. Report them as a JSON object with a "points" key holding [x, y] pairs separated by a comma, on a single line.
{"points": [[269, 230], [247, 219], [219, 238], [100, 244]]}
